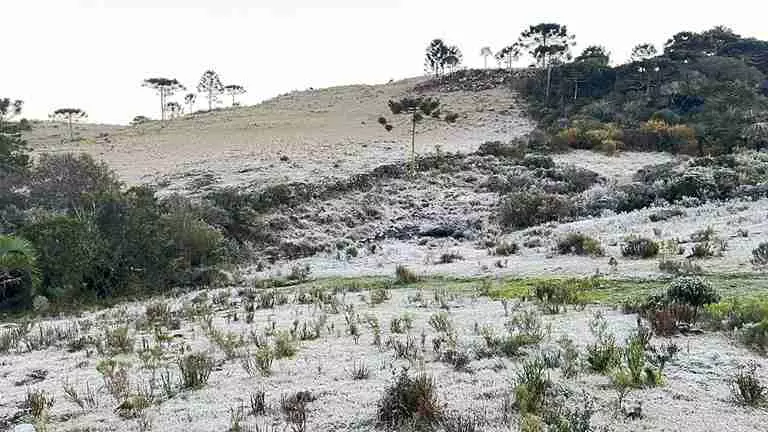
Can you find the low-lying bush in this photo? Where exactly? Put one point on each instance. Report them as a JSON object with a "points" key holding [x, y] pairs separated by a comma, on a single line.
{"points": [[579, 244], [640, 247], [528, 208], [195, 370], [404, 275], [746, 387]]}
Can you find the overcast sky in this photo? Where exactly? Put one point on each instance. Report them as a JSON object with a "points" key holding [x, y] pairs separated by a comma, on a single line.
{"points": [[94, 54]]}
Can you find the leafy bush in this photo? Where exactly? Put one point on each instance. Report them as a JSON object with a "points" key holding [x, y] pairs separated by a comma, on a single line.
{"points": [[409, 400], [531, 387], [529, 208], [19, 272], [579, 244], [665, 214], [640, 247], [693, 291]]}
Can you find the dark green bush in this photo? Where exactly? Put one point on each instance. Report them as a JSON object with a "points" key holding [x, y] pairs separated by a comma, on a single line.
{"points": [[692, 291], [760, 255]]}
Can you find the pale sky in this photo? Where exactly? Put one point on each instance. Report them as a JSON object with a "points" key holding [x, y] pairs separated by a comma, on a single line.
{"points": [[94, 54]]}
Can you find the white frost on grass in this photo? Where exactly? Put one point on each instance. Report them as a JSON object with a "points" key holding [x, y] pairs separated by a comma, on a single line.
{"points": [[696, 397], [726, 218]]}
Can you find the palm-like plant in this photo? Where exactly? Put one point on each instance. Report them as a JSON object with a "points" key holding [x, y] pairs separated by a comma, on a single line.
{"points": [[19, 273]]}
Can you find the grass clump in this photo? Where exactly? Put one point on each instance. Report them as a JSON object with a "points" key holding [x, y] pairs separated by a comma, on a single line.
{"points": [[746, 387], [640, 247], [579, 244], [195, 370], [409, 400], [604, 354], [760, 255], [555, 295], [284, 345], [401, 324], [38, 403]]}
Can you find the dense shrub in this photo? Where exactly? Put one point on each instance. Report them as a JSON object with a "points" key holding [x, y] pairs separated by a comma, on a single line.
{"points": [[71, 253], [409, 400], [529, 208], [579, 244], [128, 243], [693, 291], [19, 272], [640, 247]]}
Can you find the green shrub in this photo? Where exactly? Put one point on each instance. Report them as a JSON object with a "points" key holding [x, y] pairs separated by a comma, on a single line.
{"points": [[409, 400], [693, 291], [531, 386], [640, 248], [534, 161], [19, 272], [284, 345], [579, 244], [195, 370]]}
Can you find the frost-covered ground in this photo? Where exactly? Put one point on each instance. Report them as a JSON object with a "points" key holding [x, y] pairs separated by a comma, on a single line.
{"points": [[696, 396]]}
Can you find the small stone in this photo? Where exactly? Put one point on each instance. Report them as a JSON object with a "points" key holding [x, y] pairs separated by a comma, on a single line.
{"points": [[26, 427]]}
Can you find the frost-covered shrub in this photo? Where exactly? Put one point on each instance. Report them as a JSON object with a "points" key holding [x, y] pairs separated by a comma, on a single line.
{"points": [[640, 247], [529, 208], [579, 244]]}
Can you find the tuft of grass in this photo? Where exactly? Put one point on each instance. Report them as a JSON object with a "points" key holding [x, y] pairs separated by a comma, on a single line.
{"points": [[117, 341], [195, 370], [360, 371], [86, 401], [746, 387], [401, 324], [760, 255], [285, 346], [604, 354], [259, 363], [450, 257], [531, 386], [441, 323], [258, 403], [38, 403]]}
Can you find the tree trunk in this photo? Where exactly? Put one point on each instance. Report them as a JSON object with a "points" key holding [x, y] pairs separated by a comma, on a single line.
{"points": [[413, 143], [71, 134], [162, 104], [485, 62], [210, 99], [549, 82]]}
